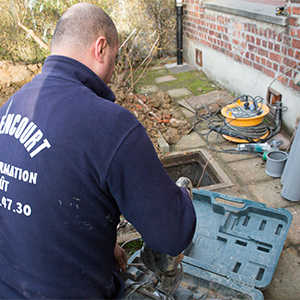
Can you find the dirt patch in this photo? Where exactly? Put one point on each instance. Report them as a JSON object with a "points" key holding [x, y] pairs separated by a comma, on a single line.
{"points": [[14, 76]]}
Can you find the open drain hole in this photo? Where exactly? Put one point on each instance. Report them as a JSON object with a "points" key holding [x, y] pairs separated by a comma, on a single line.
{"points": [[191, 165]]}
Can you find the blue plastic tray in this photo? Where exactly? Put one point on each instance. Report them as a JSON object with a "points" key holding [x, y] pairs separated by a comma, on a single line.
{"points": [[237, 238], [235, 248]]}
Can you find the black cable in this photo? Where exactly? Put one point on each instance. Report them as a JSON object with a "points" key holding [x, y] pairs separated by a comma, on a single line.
{"points": [[217, 122]]}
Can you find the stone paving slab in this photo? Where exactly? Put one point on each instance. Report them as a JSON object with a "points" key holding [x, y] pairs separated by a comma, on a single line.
{"points": [[187, 113], [181, 69], [214, 138], [175, 93], [220, 96], [149, 89], [190, 141], [165, 78], [175, 68]]}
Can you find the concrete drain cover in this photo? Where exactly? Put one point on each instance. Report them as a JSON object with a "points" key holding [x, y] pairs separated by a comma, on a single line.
{"points": [[198, 167]]}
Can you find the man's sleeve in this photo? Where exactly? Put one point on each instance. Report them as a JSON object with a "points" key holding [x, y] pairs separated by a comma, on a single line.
{"points": [[148, 198]]}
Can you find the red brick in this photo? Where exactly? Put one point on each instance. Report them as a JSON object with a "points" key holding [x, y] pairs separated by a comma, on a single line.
{"points": [[263, 61], [247, 55], [270, 45], [237, 58], [289, 62], [220, 28], [289, 73], [269, 72], [243, 45], [218, 35], [229, 53], [252, 56], [258, 41], [283, 80], [264, 43], [292, 31], [257, 67], [235, 41], [284, 50], [257, 59], [252, 48], [275, 57], [293, 21], [277, 47], [296, 10], [269, 64], [296, 43], [275, 67], [247, 62], [263, 52], [252, 28], [279, 37], [291, 52], [270, 33], [207, 43]]}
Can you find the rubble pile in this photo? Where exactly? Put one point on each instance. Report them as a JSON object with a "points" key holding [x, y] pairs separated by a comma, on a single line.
{"points": [[158, 115]]}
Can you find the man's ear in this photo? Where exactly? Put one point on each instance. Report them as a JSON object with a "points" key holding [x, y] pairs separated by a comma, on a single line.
{"points": [[100, 48]]}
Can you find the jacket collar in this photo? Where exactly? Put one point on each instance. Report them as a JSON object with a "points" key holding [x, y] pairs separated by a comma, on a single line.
{"points": [[71, 69]]}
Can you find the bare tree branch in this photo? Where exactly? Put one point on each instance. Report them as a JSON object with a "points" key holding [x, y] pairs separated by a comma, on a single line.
{"points": [[34, 36]]}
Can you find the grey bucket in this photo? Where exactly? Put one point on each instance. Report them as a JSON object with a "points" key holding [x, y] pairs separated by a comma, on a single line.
{"points": [[276, 160]]}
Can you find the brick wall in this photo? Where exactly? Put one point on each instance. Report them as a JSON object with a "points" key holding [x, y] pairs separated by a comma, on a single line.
{"points": [[268, 48]]}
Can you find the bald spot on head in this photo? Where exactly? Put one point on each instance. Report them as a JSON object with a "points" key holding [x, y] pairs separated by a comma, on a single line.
{"points": [[80, 26]]}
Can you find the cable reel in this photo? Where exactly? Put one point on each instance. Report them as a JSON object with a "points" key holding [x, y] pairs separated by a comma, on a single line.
{"points": [[244, 120]]}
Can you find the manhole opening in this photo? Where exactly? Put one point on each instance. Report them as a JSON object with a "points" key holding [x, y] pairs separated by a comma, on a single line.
{"points": [[191, 165]]}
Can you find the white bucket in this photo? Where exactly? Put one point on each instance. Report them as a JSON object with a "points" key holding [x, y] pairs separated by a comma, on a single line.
{"points": [[276, 160]]}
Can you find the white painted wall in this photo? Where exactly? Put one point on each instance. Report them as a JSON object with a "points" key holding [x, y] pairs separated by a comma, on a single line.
{"points": [[241, 79]]}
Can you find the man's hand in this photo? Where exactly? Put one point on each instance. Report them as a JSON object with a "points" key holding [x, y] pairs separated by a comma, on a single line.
{"points": [[121, 257]]}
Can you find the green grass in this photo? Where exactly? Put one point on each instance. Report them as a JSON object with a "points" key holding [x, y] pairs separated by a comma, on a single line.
{"points": [[195, 81]]}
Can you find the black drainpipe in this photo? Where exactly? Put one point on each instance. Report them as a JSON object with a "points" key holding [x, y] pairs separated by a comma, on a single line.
{"points": [[179, 4]]}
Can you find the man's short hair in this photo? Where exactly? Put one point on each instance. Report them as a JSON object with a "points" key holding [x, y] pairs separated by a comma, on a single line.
{"points": [[81, 25]]}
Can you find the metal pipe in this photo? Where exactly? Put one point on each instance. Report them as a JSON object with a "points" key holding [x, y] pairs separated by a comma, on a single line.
{"points": [[179, 4]]}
